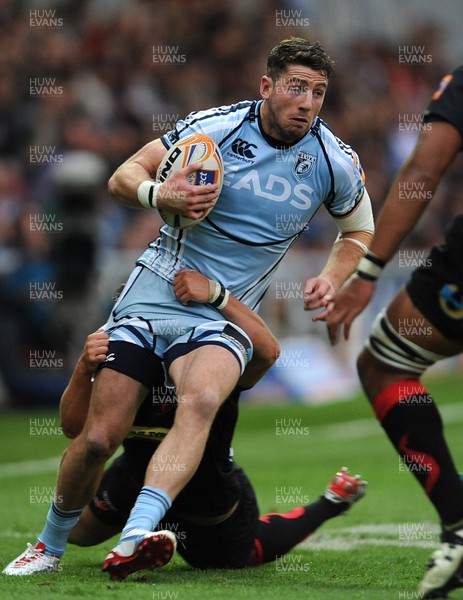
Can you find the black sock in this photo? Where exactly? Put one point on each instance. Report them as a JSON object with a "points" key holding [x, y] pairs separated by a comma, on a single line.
{"points": [[278, 533], [412, 422]]}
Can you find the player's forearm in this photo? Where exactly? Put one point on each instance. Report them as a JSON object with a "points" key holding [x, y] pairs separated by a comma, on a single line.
{"points": [[191, 286], [124, 183], [265, 346], [75, 401], [344, 257], [142, 166]]}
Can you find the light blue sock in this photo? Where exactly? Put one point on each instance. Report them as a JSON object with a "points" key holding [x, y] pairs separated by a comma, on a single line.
{"points": [[57, 529], [151, 505]]}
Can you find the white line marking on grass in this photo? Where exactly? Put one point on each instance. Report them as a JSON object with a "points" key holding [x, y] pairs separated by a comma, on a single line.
{"points": [[399, 535], [29, 467], [388, 529], [342, 544], [349, 430], [341, 539], [33, 467], [9, 533]]}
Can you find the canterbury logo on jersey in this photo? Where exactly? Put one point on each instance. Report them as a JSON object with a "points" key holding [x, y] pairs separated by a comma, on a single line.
{"points": [[243, 149]]}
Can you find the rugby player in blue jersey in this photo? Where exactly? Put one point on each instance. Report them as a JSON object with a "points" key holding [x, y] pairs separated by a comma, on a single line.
{"points": [[280, 159], [215, 518]]}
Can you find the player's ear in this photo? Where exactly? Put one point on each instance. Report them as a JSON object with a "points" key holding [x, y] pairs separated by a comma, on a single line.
{"points": [[266, 86]]}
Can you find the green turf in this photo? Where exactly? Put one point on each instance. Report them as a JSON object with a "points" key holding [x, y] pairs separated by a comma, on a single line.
{"points": [[287, 451]]}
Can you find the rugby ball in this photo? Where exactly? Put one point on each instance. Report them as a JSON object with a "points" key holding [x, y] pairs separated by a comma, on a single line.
{"points": [[196, 147]]}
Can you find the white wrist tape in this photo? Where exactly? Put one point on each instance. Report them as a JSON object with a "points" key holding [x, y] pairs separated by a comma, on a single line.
{"points": [[225, 300], [219, 299], [370, 267], [214, 290], [147, 193]]}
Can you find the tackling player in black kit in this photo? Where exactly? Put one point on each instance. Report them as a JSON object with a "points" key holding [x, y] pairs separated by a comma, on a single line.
{"points": [[395, 357], [215, 517]]}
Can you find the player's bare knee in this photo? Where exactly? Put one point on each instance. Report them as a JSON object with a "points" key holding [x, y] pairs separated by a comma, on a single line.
{"points": [[98, 448], [97, 451], [201, 405], [206, 404]]}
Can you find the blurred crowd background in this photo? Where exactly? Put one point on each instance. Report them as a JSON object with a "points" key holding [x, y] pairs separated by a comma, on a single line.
{"points": [[84, 84]]}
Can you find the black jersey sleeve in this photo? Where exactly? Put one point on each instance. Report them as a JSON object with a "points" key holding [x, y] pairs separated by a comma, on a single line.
{"points": [[447, 101]]}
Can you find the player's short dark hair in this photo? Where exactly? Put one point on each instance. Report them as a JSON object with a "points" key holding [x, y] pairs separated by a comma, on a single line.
{"points": [[298, 51]]}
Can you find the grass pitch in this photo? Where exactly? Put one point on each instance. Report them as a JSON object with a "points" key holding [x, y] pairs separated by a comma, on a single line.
{"points": [[378, 551]]}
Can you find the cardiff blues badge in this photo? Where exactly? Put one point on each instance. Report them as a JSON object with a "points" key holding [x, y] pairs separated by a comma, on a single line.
{"points": [[304, 164]]}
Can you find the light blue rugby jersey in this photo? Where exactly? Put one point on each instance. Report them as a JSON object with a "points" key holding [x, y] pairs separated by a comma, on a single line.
{"points": [[270, 194]]}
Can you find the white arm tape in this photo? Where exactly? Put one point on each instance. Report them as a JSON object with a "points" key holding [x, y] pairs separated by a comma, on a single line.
{"points": [[147, 193], [358, 243], [361, 219]]}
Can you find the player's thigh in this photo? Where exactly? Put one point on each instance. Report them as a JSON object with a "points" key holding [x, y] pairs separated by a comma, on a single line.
{"points": [[113, 405], [208, 367], [411, 324]]}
